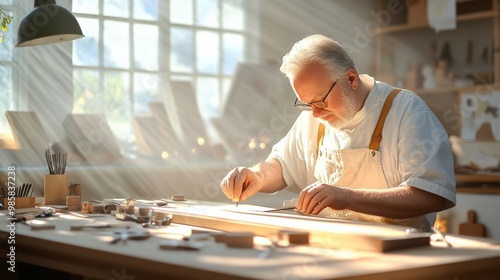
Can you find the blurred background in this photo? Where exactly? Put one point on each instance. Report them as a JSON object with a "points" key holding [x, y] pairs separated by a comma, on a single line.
{"points": [[159, 97]]}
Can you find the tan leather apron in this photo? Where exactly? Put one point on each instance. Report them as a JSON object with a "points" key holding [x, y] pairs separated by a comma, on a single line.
{"points": [[359, 168]]}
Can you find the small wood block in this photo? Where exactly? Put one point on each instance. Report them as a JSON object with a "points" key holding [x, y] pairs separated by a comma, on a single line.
{"points": [[294, 237], [219, 237], [178, 197], [123, 217], [74, 207], [85, 205], [109, 207], [180, 245], [471, 228], [200, 237], [35, 226], [238, 239], [72, 200], [142, 211], [92, 225], [96, 208], [127, 209]]}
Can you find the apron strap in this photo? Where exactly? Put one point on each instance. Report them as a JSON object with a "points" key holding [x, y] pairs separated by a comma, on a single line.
{"points": [[377, 133], [321, 133]]}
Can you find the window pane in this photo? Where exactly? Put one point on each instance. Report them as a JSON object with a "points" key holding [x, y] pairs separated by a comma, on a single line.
{"points": [[233, 16], [234, 51], [6, 94], [86, 7], [181, 50], [145, 91], [146, 9], [207, 94], [86, 49], [181, 11], [117, 103], [207, 52], [226, 86], [207, 13], [116, 44], [146, 46], [116, 8], [85, 91], [5, 2]]}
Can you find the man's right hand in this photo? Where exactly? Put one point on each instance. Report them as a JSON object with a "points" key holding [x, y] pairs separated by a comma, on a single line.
{"points": [[241, 183]]}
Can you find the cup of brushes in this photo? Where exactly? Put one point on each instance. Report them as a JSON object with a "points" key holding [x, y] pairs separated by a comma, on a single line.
{"points": [[55, 184]]}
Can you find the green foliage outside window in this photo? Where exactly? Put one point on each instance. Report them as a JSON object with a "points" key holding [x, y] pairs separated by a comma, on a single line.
{"points": [[6, 20]]}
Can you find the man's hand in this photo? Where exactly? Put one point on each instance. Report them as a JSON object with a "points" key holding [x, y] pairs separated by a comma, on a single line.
{"points": [[318, 196], [240, 184]]}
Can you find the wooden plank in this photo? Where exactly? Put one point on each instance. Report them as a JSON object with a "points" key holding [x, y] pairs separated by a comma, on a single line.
{"points": [[323, 232], [478, 178], [460, 18], [479, 190]]}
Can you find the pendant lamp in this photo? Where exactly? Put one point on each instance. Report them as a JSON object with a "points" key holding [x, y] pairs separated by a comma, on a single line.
{"points": [[48, 23]]}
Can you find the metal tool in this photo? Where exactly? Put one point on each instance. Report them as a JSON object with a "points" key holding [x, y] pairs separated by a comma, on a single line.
{"points": [[278, 209], [442, 237], [126, 234], [269, 250], [155, 222]]}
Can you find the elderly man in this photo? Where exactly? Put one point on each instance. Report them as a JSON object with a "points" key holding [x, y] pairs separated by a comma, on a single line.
{"points": [[361, 150]]}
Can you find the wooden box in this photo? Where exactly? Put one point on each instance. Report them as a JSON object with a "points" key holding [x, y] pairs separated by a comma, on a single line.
{"points": [[55, 189], [417, 12], [21, 202]]}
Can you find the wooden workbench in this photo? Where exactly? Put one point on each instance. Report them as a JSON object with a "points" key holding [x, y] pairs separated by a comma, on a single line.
{"points": [[90, 254]]}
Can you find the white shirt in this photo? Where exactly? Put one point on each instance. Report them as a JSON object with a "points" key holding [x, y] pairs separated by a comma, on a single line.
{"points": [[415, 149]]}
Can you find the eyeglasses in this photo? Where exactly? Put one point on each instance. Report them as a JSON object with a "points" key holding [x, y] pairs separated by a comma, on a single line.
{"points": [[318, 104]]}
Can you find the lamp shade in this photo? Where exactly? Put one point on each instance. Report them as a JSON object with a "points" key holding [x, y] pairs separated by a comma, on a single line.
{"points": [[48, 23]]}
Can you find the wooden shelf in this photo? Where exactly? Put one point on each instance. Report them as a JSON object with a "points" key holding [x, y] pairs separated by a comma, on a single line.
{"points": [[460, 18], [482, 178], [479, 190], [485, 183], [474, 88]]}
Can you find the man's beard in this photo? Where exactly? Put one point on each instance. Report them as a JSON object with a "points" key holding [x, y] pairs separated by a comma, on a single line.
{"points": [[347, 112]]}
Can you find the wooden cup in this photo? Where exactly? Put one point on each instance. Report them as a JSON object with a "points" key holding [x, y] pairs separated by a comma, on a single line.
{"points": [[55, 189]]}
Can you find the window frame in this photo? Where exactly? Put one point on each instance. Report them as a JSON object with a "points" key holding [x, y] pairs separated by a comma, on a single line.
{"points": [[164, 74]]}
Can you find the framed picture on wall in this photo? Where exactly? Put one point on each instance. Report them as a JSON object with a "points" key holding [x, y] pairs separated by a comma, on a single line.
{"points": [[479, 142], [480, 114]]}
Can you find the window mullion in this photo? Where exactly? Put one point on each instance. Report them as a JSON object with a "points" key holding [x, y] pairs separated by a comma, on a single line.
{"points": [[101, 70], [132, 69]]}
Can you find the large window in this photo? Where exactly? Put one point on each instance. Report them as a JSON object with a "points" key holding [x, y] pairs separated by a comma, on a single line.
{"points": [[6, 68], [132, 49]]}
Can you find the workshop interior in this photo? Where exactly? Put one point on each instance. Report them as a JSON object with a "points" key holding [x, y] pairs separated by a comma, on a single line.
{"points": [[120, 118]]}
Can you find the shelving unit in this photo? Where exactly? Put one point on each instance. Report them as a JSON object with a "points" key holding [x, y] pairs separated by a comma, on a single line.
{"points": [[402, 42], [390, 38]]}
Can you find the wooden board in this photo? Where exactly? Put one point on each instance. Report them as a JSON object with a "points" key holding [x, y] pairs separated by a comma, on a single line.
{"points": [[92, 137], [166, 132], [471, 228], [30, 136], [323, 232], [191, 122], [148, 142]]}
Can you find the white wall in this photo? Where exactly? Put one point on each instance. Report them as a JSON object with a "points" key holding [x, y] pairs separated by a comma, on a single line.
{"points": [[283, 22]]}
